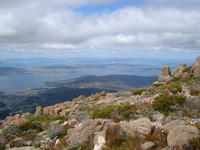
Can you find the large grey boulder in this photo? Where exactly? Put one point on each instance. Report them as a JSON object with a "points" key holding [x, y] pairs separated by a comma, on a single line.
{"points": [[141, 126], [180, 134], [84, 132]]}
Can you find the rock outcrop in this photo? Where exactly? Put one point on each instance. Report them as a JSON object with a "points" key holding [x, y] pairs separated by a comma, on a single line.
{"points": [[39, 111], [180, 70], [166, 75], [16, 120], [196, 68]]}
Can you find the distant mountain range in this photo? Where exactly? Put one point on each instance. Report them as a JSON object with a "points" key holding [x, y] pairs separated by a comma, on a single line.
{"points": [[56, 92]]}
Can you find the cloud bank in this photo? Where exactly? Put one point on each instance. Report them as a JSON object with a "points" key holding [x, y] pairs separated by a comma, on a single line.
{"points": [[157, 25]]}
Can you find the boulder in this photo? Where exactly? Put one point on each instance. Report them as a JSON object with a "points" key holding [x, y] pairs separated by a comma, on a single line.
{"points": [[56, 131], [141, 126], [196, 68], [83, 133], [99, 140], [167, 127], [179, 71], [180, 134]]}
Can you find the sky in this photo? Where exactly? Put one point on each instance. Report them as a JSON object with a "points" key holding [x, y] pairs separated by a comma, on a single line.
{"points": [[105, 28]]}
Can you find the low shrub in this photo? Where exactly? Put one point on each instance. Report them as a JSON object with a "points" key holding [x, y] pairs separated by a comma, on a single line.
{"points": [[34, 123], [129, 143], [195, 144], [31, 125], [103, 113], [165, 101], [127, 111], [173, 87], [12, 130], [138, 91], [198, 126], [114, 136], [28, 136]]}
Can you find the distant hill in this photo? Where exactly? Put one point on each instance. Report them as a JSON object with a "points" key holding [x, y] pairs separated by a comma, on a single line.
{"points": [[117, 82]]}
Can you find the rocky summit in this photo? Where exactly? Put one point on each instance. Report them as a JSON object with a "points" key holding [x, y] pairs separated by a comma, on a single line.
{"points": [[163, 116]]}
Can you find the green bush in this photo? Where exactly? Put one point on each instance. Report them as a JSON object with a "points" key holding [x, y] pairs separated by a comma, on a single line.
{"points": [[31, 125], [35, 122], [173, 87], [103, 113], [164, 102], [127, 111], [195, 144], [138, 91], [198, 126]]}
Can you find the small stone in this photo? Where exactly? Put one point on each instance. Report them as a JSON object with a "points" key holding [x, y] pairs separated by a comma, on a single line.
{"points": [[147, 146], [167, 148]]}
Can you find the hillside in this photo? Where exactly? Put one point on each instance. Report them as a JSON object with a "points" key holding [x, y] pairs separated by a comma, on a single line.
{"points": [[163, 116]]}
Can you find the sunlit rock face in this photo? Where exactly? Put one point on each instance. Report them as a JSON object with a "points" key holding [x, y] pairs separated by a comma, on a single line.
{"points": [[166, 75], [196, 68]]}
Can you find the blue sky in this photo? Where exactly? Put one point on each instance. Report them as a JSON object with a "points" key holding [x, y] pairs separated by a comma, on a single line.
{"points": [[100, 28], [101, 8]]}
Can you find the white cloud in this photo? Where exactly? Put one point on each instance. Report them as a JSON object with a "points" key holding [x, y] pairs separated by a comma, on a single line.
{"points": [[59, 46], [55, 25]]}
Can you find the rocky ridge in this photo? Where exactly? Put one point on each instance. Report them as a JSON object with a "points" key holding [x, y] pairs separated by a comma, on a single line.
{"points": [[163, 116]]}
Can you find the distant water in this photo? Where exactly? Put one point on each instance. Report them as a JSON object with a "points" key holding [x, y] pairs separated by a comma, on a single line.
{"points": [[79, 67], [19, 82]]}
